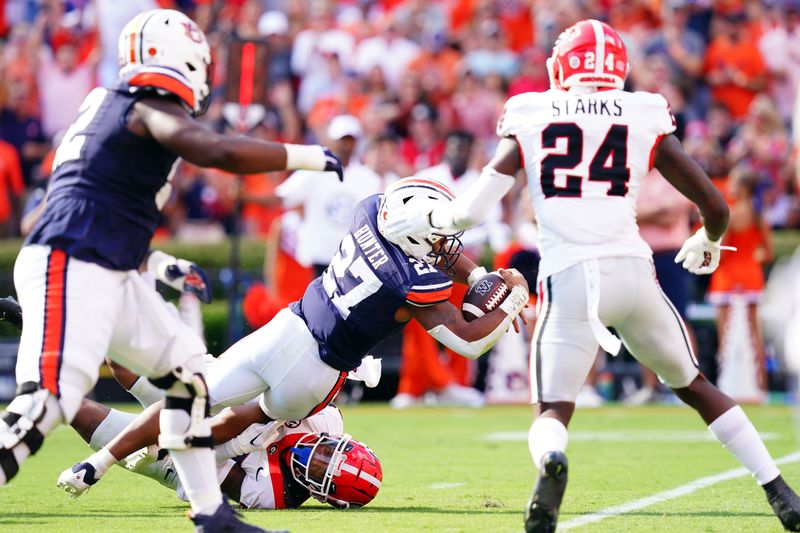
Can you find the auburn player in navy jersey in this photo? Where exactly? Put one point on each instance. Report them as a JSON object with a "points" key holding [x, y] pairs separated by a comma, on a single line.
{"points": [[296, 364], [76, 276], [372, 288]]}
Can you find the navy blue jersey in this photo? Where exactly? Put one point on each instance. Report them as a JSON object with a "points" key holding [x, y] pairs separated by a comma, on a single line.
{"points": [[101, 203], [351, 307]]}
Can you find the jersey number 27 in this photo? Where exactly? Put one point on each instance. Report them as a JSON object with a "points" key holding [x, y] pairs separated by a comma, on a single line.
{"points": [[610, 162], [347, 267]]}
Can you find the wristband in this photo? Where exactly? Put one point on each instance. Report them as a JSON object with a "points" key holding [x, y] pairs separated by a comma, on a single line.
{"points": [[516, 301], [308, 157], [476, 274]]}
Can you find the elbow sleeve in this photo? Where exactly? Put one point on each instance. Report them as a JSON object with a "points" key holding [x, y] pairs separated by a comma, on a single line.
{"points": [[476, 203]]}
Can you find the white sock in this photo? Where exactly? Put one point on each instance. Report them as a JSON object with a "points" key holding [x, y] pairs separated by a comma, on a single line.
{"points": [[110, 427], [101, 460], [736, 433], [146, 393], [198, 474], [546, 435]]}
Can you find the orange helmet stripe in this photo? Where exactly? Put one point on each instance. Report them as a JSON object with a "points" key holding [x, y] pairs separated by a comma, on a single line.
{"points": [[165, 82], [412, 180]]}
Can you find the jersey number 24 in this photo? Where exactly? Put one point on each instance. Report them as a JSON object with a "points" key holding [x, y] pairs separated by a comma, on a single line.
{"points": [[610, 162]]}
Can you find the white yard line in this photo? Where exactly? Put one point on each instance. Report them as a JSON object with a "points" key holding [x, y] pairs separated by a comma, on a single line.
{"points": [[659, 497], [445, 485], [622, 436]]}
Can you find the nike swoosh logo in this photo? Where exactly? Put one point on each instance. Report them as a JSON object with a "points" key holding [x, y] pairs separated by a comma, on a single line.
{"points": [[260, 468], [253, 440], [170, 472]]}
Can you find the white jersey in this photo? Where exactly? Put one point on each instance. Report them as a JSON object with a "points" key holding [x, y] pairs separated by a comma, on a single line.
{"points": [[585, 153]]}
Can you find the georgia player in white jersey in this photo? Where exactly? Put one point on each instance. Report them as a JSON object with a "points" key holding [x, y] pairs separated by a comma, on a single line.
{"points": [[585, 146], [264, 467]]}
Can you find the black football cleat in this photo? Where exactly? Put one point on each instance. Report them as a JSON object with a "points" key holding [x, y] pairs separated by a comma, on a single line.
{"points": [[11, 312], [785, 503], [225, 520], [542, 512]]}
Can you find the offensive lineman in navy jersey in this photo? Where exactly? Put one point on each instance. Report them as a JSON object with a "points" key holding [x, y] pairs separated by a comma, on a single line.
{"points": [[76, 276]]}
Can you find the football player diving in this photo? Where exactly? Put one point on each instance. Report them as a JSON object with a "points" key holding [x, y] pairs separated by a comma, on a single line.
{"points": [[295, 365]]}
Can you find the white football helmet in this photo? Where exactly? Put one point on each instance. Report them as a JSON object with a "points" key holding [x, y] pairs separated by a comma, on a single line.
{"points": [[165, 50], [433, 247]]}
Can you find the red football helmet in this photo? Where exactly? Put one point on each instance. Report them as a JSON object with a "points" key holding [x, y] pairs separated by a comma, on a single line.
{"points": [[588, 54], [336, 469]]}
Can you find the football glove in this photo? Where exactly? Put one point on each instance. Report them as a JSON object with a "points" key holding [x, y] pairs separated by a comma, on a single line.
{"points": [[11, 312], [332, 164], [180, 274], [699, 254]]}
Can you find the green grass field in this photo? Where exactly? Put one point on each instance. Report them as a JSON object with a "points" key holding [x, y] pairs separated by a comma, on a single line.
{"points": [[455, 470]]}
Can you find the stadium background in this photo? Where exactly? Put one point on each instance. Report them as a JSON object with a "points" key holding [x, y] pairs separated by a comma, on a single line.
{"points": [[411, 72]]}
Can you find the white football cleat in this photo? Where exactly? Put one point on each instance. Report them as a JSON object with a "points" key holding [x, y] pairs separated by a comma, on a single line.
{"points": [[77, 480], [154, 463]]}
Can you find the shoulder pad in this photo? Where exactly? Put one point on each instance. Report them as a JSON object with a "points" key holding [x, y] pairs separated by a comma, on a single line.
{"points": [[515, 111]]}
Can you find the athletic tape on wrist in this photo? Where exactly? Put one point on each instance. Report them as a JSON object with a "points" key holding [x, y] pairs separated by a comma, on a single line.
{"points": [[516, 301], [308, 157]]}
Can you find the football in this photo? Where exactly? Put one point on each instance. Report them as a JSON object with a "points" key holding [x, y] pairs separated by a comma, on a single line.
{"points": [[484, 296]]}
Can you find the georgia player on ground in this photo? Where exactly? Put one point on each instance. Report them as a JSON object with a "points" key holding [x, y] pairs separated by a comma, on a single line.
{"points": [[585, 146], [76, 276], [272, 466]]}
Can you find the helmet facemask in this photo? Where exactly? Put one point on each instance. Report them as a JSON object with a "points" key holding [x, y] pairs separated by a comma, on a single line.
{"points": [[445, 251], [315, 461]]}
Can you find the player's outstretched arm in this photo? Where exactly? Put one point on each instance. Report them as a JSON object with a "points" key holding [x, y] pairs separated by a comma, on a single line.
{"points": [[445, 323], [169, 124], [474, 205], [687, 176], [467, 209]]}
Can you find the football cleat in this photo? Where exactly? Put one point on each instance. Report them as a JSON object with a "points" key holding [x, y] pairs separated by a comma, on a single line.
{"points": [[785, 503], [77, 480], [224, 520], [542, 512], [11, 312], [154, 463]]}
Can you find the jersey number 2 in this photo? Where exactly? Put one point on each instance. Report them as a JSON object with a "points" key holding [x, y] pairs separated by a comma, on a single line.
{"points": [[345, 263], [72, 144], [610, 163]]}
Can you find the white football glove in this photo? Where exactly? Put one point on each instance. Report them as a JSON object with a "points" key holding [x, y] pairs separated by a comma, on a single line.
{"points": [[413, 219], [180, 274], [699, 254], [255, 437]]}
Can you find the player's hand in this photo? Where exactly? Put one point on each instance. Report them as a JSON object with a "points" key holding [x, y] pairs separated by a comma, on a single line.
{"points": [[332, 164], [11, 311], [413, 219], [180, 274], [699, 254], [512, 277]]}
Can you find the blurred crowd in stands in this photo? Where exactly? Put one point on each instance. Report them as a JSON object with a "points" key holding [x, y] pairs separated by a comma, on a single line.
{"points": [[399, 87]]}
